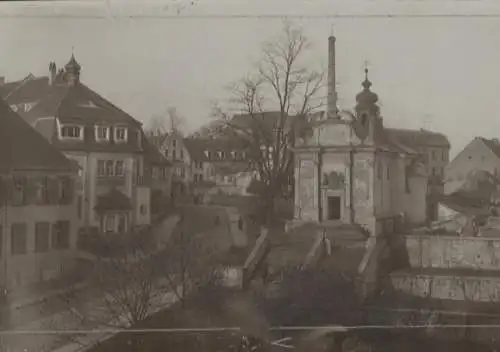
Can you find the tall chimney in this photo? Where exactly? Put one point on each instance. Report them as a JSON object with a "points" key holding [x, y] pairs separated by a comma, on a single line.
{"points": [[332, 112], [52, 73]]}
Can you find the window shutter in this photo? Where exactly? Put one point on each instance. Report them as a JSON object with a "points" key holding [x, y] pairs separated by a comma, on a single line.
{"points": [[70, 188]]}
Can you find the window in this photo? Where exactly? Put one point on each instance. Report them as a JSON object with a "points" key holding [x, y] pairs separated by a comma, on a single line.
{"points": [[240, 224], [42, 190], [444, 155], [60, 235], [42, 230], [65, 190], [120, 134], [139, 139], [110, 223], [156, 172], [18, 238], [388, 172], [167, 155], [181, 154], [101, 167], [143, 209], [174, 143], [122, 223], [433, 171], [109, 168], [102, 133], [19, 191], [74, 132], [379, 171], [434, 155], [119, 168], [183, 172]]}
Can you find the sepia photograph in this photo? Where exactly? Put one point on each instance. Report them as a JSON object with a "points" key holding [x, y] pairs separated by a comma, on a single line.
{"points": [[249, 176]]}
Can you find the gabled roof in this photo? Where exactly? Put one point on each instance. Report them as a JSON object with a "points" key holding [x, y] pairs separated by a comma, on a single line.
{"points": [[196, 149], [493, 145], [152, 155], [418, 138], [22, 148]]}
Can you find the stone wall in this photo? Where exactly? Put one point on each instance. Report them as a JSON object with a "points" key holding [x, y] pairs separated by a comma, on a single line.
{"points": [[448, 286]]}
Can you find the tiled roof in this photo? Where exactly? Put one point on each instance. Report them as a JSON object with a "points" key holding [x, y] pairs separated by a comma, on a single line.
{"points": [[492, 144], [152, 154], [418, 138], [21, 147], [113, 200], [196, 148]]}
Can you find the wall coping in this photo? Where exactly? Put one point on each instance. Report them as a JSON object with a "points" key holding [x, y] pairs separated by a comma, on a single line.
{"points": [[452, 237]]}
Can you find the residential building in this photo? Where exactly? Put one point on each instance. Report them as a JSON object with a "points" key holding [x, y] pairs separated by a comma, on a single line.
{"points": [[220, 165], [480, 154], [159, 173], [351, 169], [434, 151], [174, 150], [106, 142], [38, 217]]}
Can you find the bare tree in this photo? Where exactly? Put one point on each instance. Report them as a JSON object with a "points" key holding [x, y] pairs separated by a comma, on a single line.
{"points": [[282, 83], [162, 125]]}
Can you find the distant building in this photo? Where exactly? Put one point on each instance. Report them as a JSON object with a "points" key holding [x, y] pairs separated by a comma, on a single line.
{"points": [[434, 151], [480, 154], [107, 143], [158, 170], [38, 218], [220, 165], [352, 169], [175, 151]]}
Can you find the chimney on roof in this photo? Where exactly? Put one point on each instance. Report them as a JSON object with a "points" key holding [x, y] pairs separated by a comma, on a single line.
{"points": [[332, 112], [52, 72], [2, 80]]}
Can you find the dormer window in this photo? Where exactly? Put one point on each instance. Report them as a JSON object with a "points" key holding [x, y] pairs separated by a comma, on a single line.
{"points": [[121, 134], [71, 132], [102, 133]]}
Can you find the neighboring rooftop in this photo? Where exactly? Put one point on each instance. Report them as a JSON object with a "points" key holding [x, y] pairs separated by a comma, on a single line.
{"points": [[418, 138], [22, 148]]}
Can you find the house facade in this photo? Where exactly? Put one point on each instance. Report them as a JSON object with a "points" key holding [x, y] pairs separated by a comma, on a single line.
{"points": [[38, 217], [434, 151], [113, 194], [480, 154], [350, 168], [159, 172], [220, 165], [175, 151]]}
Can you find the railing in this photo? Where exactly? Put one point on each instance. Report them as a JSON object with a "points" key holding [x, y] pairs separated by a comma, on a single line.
{"points": [[111, 180]]}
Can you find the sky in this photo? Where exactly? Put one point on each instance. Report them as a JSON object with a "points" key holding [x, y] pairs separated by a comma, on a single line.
{"points": [[438, 71]]}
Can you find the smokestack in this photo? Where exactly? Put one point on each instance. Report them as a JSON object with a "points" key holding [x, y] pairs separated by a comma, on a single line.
{"points": [[2, 80], [52, 72], [332, 112]]}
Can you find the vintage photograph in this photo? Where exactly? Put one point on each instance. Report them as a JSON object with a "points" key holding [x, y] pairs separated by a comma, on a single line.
{"points": [[249, 176]]}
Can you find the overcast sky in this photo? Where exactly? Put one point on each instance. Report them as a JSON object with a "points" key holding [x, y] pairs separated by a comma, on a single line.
{"points": [[146, 57]]}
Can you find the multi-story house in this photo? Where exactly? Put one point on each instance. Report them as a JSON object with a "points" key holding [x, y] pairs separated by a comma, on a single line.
{"points": [[107, 143], [220, 163], [159, 173], [480, 154], [434, 151], [38, 217], [175, 151]]}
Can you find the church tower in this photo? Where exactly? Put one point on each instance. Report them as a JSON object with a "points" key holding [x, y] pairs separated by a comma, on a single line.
{"points": [[368, 120]]}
